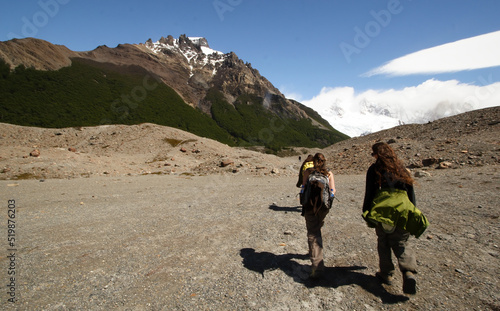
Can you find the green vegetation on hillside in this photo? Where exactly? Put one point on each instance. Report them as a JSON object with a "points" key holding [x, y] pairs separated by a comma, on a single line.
{"points": [[89, 93], [254, 124]]}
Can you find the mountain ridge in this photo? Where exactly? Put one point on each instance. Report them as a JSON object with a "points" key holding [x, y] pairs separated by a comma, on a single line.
{"points": [[30, 52], [183, 66]]}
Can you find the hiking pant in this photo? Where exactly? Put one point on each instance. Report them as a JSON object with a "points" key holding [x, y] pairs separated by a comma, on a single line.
{"points": [[396, 241], [314, 238]]}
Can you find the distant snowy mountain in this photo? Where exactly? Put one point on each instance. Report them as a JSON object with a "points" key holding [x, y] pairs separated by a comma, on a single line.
{"points": [[371, 111]]}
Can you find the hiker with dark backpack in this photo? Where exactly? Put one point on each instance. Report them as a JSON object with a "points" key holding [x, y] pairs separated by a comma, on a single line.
{"points": [[318, 193]]}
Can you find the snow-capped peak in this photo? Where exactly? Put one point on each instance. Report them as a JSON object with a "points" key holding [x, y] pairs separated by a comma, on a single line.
{"points": [[171, 43], [190, 48]]}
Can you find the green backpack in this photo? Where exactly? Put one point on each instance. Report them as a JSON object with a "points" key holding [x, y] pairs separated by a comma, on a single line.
{"points": [[392, 207]]}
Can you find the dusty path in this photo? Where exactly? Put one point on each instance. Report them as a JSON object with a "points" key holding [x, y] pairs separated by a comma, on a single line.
{"points": [[237, 242]]}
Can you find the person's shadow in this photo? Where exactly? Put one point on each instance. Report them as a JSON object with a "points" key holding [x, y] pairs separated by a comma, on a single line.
{"points": [[261, 262], [277, 208]]}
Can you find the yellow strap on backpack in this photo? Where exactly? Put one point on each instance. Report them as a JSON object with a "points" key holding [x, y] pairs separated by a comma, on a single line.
{"points": [[307, 165]]}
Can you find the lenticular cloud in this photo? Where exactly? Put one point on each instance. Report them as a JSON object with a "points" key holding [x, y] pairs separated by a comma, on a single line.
{"points": [[472, 53]]}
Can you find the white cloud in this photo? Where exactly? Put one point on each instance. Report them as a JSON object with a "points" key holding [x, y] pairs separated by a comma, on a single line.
{"points": [[472, 53], [356, 114]]}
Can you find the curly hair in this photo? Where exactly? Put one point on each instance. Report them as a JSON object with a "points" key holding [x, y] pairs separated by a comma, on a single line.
{"points": [[387, 161]]}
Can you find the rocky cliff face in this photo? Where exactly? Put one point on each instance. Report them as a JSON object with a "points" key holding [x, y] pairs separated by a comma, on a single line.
{"points": [[204, 68]]}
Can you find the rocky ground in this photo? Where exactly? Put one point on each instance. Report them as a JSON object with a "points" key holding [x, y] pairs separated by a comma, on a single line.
{"points": [[151, 218], [238, 242]]}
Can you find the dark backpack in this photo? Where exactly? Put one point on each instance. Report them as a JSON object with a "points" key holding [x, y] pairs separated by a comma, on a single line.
{"points": [[316, 194]]}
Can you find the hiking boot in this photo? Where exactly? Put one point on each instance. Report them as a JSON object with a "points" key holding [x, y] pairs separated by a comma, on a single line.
{"points": [[384, 278], [409, 283]]}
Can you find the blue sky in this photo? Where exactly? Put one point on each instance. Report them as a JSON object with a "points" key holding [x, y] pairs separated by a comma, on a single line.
{"points": [[302, 47]]}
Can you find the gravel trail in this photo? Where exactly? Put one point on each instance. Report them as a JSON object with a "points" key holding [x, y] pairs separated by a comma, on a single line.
{"points": [[237, 242]]}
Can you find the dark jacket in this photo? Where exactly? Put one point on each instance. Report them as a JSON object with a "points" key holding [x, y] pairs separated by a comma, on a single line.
{"points": [[392, 203], [372, 186]]}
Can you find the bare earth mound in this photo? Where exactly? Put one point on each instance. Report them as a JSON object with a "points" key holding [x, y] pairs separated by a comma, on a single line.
{"points": [[466, 140], [119, 150]]}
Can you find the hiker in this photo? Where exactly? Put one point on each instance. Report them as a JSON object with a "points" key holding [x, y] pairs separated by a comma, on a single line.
{"points": [[308, 163], [389, 190], [315, 217]]}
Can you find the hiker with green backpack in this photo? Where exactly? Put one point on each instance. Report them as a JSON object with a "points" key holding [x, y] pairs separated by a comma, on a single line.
{"points": [[389, 207], [318, 193]]}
